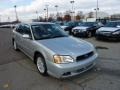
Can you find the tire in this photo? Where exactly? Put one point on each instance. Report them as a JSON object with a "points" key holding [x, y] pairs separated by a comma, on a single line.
{"points": [[41, 65], [70, 32], [89, 34], [15, 46], [73, 34]]}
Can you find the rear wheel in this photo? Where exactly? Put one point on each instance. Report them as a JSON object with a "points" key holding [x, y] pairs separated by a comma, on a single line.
{"points": [[41, 65]]}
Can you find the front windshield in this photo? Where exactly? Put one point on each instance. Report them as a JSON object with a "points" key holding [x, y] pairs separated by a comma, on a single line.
{"points": [[111, 24], [47, 31], [87, 24]]}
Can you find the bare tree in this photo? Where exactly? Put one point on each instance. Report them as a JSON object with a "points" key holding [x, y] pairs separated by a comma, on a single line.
{"points": [[90, 14], [67, 17]]}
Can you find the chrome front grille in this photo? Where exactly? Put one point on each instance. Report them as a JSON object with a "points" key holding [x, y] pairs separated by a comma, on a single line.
{"points": [[105, 32], [85, 56]]}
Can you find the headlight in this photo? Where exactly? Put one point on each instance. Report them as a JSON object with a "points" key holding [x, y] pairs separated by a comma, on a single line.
{"points": [[72, 30], [81, 30], [116, 32], [97, 32], [61, 59]]}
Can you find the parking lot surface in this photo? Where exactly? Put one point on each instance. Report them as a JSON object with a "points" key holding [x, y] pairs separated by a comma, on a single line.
{"points": [[18, 72]]}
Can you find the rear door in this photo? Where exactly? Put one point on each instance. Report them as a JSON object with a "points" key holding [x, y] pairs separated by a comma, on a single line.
{"points": [[18, 35]]}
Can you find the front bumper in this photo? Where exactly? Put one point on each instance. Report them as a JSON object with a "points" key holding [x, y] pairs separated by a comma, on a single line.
{"points": [[84, 33], [108, 36], [71, 69]]}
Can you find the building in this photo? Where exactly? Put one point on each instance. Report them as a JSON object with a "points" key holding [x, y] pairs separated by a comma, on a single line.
{"points": [[100, 15], [91, 16]]}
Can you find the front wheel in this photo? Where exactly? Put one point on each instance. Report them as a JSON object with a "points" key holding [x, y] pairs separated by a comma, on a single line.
{"points": [[41, 65], [89, 34], [15, 45]]}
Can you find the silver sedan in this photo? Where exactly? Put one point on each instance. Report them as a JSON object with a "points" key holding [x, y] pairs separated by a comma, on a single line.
{"points": [[53, 51]]}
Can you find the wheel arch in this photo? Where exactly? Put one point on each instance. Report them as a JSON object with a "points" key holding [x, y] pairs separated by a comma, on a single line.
{"points": [[13, 40], [35, 55]]}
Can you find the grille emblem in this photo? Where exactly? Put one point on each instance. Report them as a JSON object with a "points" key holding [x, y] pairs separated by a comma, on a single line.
{"points": [[86, 55]]}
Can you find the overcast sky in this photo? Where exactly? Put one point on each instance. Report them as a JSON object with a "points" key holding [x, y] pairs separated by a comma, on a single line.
{"points": [[26, 8]]}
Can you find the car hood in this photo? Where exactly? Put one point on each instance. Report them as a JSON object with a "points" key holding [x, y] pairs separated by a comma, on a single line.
{"points": [[81, 27], [63, 27], [67, 46], [111, 29]]}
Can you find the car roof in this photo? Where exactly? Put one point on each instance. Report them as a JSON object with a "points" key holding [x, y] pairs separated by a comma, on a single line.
{"points": [[115, 21], [89, 22], [36, 23]]}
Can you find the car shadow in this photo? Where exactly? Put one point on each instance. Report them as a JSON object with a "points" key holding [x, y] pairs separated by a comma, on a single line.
{"points": [[108, 40]]}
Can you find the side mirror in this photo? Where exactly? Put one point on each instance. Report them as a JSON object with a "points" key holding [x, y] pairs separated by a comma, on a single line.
{"points": [[26, 36]]}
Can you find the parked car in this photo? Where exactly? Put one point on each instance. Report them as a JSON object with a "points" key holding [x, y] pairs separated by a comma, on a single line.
{"points": [[110, 31], [8, 26], [67, 26], [86, 29], [45, 44], [58, 22]]}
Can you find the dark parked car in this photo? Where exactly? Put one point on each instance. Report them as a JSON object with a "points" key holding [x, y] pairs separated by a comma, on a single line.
{"points": [[86, 29], [110, 31], [68, 26]]}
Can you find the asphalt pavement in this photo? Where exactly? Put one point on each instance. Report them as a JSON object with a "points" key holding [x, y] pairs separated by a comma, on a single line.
{"points": [[18, 72]]}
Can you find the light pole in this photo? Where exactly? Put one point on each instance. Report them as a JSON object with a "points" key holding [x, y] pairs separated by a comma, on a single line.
{"points": [[56, 6], [16, 13], [72, 12], [95, 13], [47, 11], [37, 15], [97, 4], [97, 9], [0, 18], [8, 19]]}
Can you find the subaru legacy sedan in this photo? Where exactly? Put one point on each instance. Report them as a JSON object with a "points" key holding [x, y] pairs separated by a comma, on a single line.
{"points": [[52, 50]]}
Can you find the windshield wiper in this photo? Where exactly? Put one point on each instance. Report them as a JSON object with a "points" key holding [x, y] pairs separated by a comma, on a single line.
{"points": [[42, 38], [57, 36]]}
